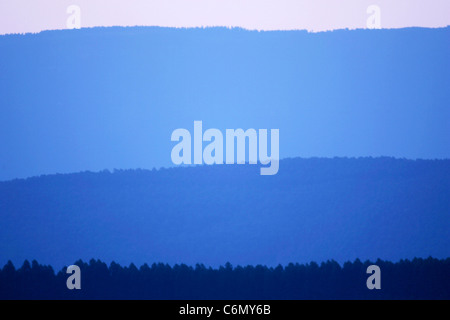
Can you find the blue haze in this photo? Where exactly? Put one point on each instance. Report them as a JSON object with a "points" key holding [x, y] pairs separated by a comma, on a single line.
{"points": [[110, 98]]}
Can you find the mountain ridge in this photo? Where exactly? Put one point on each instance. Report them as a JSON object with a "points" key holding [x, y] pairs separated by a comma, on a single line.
{"points": [[312, 210]]}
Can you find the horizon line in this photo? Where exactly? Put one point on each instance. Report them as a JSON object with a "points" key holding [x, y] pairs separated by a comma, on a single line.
{"points": [[23, 16], [221, 27], [233, 266], [203, 165]]}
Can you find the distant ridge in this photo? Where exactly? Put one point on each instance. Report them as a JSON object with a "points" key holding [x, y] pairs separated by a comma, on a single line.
{"points": [[89, 99], [313, 210], [143, 28]]}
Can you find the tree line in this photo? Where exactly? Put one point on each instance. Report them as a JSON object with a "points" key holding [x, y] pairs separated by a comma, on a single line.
{"points": [[407, 279]]}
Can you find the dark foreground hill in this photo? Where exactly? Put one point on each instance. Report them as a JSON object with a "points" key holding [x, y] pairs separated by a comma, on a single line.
{"points": [[312, 210], [416, 279]]}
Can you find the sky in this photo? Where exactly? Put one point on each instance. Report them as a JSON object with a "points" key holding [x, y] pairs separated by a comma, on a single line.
{"points": [[23, 16]]}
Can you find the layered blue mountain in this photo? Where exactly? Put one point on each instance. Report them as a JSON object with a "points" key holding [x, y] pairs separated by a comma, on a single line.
{"points": [[90, 99], [313, 210], [109, 98]]}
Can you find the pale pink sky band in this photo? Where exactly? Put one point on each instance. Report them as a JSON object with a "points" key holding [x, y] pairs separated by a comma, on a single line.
{"points": [[24, 16]]}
